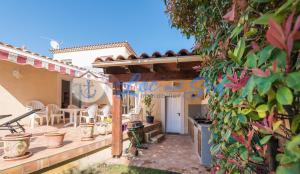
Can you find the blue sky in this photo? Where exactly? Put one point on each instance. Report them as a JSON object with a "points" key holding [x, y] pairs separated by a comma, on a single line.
{"points": [[142, 23]]}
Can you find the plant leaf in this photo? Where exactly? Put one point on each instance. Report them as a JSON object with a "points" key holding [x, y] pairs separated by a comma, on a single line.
{"points": [[284, 7], [290, 169], [288, 24], [257, 159], [265, 54], [251, 61], [240, 49], [265, 139], [261, 73], [292, 80], [295, 123], [276, 125], [242, 118], [263, 20], [236, 31], [230, 16], [246, 111], [227, 135], [275, 35], [261, 110], [284, 96]]}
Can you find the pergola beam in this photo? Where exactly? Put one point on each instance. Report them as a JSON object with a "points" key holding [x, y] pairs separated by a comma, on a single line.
{"points": [[148, 61]]}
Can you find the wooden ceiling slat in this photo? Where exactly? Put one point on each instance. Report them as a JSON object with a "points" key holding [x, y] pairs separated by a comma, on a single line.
{"points": [[152, 71], [115, 70], [138, 69]]}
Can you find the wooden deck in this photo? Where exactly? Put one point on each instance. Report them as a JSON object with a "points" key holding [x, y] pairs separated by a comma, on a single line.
{"points": [[43, 157]]}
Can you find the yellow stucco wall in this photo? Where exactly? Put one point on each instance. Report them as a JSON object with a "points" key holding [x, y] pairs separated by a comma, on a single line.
{"points": [[33, 84], [182, 87]]}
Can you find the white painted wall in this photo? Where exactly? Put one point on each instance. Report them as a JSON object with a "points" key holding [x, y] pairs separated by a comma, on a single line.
{"points": [[86, 58]]}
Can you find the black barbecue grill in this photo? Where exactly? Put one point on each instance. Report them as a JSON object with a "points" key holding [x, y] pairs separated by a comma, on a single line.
{"points": [[135, 134]]}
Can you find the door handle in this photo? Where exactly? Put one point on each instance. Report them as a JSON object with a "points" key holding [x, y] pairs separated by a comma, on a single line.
{"points": [[178, 114]]}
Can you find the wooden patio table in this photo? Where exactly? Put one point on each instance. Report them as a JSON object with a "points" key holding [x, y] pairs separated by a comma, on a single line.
{"points": [[73, 115]]}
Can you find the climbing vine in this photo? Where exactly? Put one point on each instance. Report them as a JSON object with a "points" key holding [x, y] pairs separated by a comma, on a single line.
{"points": [[251, 67]]}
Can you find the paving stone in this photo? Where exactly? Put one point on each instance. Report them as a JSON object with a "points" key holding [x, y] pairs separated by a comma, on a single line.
{"points": [[176, 153]]}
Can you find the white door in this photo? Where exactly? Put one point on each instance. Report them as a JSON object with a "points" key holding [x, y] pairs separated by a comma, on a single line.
{"points": [[173, 114]]}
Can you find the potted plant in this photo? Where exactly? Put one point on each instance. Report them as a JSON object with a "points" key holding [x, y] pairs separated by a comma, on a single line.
{"points": [[55, 139], [16, 146], [87, 131], [149, 106]]}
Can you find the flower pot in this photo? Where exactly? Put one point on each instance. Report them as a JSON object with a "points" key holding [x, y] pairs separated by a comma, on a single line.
{"points": [[55, 139], [150, 119], [16, 145], [87, 131], [101, 128]]}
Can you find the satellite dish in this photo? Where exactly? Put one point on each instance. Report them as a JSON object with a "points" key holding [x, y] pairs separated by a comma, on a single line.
{"points": [[54, 44]]}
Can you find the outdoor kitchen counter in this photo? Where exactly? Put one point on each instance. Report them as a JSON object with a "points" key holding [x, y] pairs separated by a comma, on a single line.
{"points": [[200, 135]]}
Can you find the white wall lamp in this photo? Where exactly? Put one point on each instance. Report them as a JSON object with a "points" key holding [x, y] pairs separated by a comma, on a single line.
{"points": [[16, 74]]}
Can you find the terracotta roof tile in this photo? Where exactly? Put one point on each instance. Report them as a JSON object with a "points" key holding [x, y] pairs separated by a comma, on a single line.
{"points": [[98, 59], [156, 54], [144, 56], [132, 56], [120, 57], [184, 52], [109, 59], [170, 53]]}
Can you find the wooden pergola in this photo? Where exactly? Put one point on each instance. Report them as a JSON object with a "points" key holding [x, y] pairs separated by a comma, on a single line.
{"points": [[167, 67]]}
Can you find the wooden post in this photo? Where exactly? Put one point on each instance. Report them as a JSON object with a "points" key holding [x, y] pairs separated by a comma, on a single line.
{"points": [[117, 138]]}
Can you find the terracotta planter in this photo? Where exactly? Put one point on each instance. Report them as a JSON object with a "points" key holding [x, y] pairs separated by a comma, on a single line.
{"points": [[87, 131], [55, 139], [16, 145]]}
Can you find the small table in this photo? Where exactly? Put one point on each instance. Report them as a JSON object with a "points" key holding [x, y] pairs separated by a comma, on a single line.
{"points": [[73, 115]]}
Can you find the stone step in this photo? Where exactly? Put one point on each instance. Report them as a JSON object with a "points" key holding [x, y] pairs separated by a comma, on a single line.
{"points": [[158, 138], [154, 132], [151, 134], [149, 128]]}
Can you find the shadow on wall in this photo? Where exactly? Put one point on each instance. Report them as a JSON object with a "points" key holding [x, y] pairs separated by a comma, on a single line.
{"points": [[9, 104]]}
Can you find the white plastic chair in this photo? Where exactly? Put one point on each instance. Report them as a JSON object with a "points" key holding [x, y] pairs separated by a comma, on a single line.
{"points": [[89, 114], [35, 104], [104, 112], [73, 107], [55, 112]]}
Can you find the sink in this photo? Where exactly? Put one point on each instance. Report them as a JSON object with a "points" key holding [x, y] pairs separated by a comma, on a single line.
{"points": [[203, 121]]}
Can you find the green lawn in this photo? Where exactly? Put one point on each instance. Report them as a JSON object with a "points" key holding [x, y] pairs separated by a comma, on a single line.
{"points": [[120, 169]]}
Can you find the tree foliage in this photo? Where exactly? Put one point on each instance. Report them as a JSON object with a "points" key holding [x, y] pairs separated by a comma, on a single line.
{"points": [[252, 78]]}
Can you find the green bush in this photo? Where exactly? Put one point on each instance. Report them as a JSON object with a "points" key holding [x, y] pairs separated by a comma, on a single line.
{"points": [[252, 76]]}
